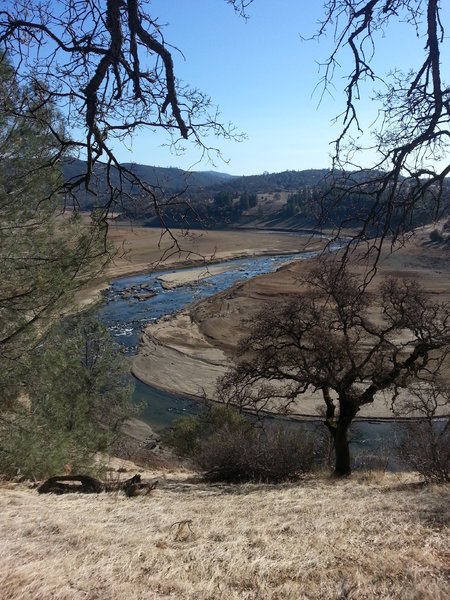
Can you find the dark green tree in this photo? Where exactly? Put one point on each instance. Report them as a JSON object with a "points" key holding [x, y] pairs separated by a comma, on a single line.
{"points": [[244, 203], [74, 402], [45, 254]]}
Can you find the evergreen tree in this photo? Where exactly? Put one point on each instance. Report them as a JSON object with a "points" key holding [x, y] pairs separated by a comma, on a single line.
{"points": [[73, 406], [45, 255]]}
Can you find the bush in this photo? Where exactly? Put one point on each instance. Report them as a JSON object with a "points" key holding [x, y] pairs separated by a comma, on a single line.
{"points": [[185, 436], [188, 433], [436, 236], [425, 447], [425, 443], [248, 454], [229, 447]]}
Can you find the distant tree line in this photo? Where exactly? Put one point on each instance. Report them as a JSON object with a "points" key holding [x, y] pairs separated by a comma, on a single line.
{"points": [[329, 204], [223, 209], [229, 207]]}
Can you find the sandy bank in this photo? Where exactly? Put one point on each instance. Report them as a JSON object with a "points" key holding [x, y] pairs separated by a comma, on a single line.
{"points": [[187, 353], [143, 249], [191, 276], [176, 357]]}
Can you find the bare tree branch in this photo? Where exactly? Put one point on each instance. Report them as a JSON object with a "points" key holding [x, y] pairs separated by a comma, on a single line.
{"points": [[106, 64], [412, 138]]}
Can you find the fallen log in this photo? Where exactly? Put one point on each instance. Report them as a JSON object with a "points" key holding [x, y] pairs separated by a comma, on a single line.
{"points": [[85, 484]]}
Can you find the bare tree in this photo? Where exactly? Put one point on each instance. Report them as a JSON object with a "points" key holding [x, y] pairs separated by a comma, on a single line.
{"points": [[411, 134], [425, 445], [106, 64], [342, 343]]}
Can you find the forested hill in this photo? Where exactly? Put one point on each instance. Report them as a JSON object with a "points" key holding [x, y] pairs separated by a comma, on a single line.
{"points": [[286, 200], [196, 184], [169, 179]]}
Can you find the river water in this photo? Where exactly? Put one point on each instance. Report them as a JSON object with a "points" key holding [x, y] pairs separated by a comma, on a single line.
{"points": [[126, 311], [134, 301]]}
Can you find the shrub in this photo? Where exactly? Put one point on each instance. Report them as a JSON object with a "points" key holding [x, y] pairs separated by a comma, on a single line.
{"points": [[249, 454], [185, 436], [436, 236], [227, 446], [188, 433], [425, 447], [425, 443]]}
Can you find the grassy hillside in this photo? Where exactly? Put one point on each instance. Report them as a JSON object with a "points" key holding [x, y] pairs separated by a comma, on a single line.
{"points": [[373, 536]]}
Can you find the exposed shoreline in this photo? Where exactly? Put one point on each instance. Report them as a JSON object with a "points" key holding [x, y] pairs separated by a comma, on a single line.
{"points": [[174, 354], [290, 417], [132, 263], [184, 354]]}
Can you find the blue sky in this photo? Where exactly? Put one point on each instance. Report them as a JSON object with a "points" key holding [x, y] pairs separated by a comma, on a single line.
{"points": [[264, 79]]}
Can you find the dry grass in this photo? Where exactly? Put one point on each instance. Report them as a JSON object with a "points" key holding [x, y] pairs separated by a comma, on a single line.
{"points": [[377, 537]]}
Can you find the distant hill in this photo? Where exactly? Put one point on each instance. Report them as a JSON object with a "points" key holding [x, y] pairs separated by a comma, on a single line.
{"points": [[286, 200], [169, 180], [173, 179], [276, 182]]}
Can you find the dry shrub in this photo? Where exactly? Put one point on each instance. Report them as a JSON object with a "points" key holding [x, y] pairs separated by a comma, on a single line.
{"points": [[145, 454], [230, 447], [249, 454], [425, 447], [425, 443]]}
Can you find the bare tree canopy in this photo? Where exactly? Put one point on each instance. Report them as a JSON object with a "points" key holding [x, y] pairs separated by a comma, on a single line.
{"points": [[110, 69], [411, 134], [107, 66], [343, 344]]}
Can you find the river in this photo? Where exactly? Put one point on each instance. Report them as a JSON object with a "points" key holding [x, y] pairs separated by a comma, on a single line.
{"points": [[126, 311], [134, 301]]}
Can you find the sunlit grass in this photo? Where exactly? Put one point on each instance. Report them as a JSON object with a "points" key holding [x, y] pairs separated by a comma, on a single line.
{"points": [[372, 537]]}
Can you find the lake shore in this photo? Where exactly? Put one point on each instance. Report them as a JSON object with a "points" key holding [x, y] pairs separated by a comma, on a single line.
{"points": [[144, 250], [185, 354]]}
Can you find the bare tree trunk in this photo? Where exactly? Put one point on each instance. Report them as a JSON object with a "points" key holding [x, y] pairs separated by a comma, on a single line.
{"points": [[342, 467], [85, 484], [338, 428]]}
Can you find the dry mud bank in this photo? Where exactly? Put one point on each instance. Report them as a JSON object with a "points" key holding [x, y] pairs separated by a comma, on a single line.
{"points": [[185, 354], [144, 249]]}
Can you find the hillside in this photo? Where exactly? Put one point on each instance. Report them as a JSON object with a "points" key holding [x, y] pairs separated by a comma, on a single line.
{"points": [[199, 190], [373, 536], [168, 178], [172, 179], [290, 200]]}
